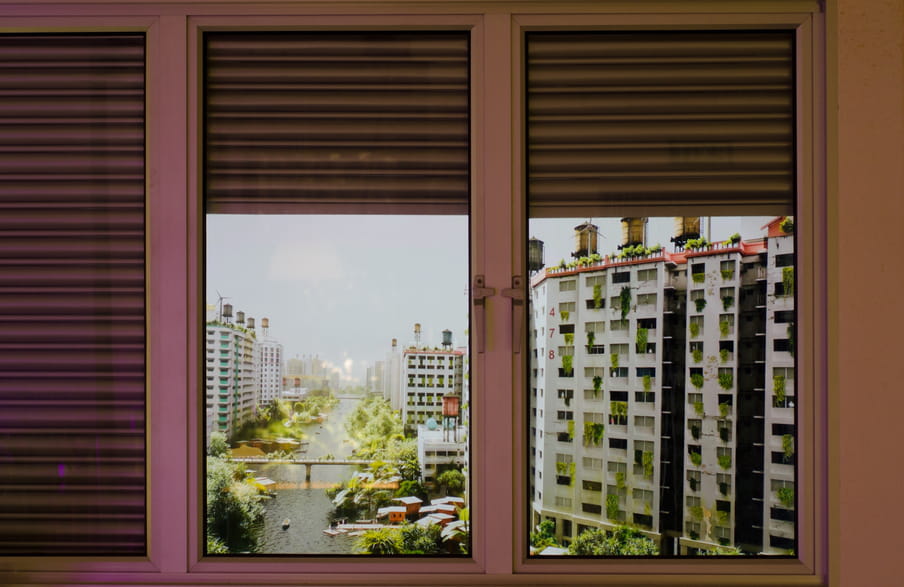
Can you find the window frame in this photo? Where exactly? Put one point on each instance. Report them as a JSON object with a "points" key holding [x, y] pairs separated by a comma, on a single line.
{"points": [[174, 344]]}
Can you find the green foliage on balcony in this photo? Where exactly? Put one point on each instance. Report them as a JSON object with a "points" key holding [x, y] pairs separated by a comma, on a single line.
{"points": [[641, 340], [695, 329], [788, 445], [570, 428], [612, 507], [696, 458], [567, 364], [787, 225], [593, 433], [597, 296], [648, 464], [613, 360], [625, 301], [788, 280], [619, 479], [564, 314], [778, 386], [597, 385], [727, 274], [698, 408], [618, 409], [786, 496], [725, 461], [700, 303], [696, 512], [723, 355], [724, 327], [697, 380], [697, 355], [647, 382], [726, 380], [724, 409], [591, 338], [698, 277], [727, 302], [569, 338]]}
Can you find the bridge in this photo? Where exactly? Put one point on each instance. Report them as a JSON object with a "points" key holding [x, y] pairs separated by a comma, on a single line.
{"points": [[308, 463]]}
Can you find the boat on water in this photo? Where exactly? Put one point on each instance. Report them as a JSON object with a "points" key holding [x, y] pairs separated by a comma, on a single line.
{"points": [[286, 523]]}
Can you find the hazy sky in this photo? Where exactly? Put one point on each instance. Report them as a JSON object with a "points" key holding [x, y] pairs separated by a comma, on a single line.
{"points": [[342, 287]]}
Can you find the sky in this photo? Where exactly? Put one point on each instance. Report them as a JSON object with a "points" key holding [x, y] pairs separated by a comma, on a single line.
{"points": [[343, 286]]}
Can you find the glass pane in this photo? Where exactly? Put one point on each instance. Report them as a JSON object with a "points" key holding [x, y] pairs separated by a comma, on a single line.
{"points": [[337, 384], [336, 194], [662, 386]]}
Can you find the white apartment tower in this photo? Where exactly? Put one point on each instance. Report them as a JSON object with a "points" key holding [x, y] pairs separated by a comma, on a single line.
{"points": [[649, 400], [269, 360], [427, 375], [230, 375]]}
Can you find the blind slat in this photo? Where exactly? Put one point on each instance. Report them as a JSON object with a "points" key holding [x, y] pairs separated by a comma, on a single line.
{"points": [[660, 121], [346, 122], [72, 295]]}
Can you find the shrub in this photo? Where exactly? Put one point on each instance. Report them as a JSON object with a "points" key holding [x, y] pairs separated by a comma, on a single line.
{"points": [[697, 380]]}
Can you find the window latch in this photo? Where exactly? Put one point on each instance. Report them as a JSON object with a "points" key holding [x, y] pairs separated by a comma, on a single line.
{"points": [[516, 294], [479, 294]]}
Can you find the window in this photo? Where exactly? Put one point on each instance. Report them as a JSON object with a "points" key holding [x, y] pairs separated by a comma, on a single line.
{"points": [[568, 285], [168, 279]]}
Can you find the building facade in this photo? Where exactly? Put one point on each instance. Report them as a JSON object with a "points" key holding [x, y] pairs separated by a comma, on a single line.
{"points": [[231, 378], [427, 375], [648, 398]]}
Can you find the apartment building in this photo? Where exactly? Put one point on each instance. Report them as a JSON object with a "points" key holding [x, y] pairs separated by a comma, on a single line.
{"points": [[269, 364], [428, 375], [648, 400], [232, 381]]}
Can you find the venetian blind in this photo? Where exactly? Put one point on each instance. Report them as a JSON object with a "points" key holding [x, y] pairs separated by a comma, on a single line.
{"points": [[334, 122], [72, 295], [659, 121]]}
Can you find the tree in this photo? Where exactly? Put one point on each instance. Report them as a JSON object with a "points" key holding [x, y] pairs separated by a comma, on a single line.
{"points": [[623, 541], [381, 541], [411, 487], [421, 539], [234, 512], [218, 447], [453, 481], [545, 535]]}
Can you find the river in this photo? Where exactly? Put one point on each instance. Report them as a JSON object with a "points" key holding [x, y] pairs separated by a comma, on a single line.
{"points": [[306, 505]]}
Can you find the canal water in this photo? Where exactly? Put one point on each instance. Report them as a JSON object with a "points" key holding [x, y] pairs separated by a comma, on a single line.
{"points": [[306, 504]]}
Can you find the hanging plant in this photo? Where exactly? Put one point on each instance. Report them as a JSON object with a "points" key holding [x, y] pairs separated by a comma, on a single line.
{"points": [[723, 355], [618, 409], [695, 329], [788, 445], [569, 338], [570, 428], [724, 432], [698, 408], [788, 280], [697, 380], [597, 296], [597, 384], [698, 277], [619, 479], [647, 382], [625, 301], [693, 483], [700, 303], [787, 225], [593, 433], [778, 385], [641, 339], [567, 364], [726, 380], [696, 458], [612, 507], [723, 488], [697, 355], [564, 314], [613, 359], [648, 464], [696, 512], [724, 409], [725, 461], [724, 327], [591, 338], [727, 274], [727, 302], [785, 496]]}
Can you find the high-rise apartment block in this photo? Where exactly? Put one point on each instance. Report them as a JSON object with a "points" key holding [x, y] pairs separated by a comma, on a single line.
{"points": [[231, 376], [270, 367], [662, 392]]}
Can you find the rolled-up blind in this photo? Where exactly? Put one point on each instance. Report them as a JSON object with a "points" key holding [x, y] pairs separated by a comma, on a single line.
{"points": [[336, 122], [660, 120], [72, 295]]}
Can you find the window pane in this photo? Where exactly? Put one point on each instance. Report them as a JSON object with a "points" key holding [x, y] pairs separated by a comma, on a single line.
{"points": [[624, 129], [72, 295], [337, 366], [718, 401]]}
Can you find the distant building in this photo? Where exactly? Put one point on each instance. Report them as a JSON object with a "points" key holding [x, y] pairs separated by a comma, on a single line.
{"points": [[270, 365], [427, 375], [232, 382], [439, 450]]}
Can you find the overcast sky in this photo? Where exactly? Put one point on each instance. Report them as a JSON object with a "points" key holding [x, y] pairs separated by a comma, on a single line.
{"points": [[342, 287]]}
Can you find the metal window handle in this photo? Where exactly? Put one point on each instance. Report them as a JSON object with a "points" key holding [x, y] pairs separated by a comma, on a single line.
{"points": [[516, 293], [479, 295]]}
